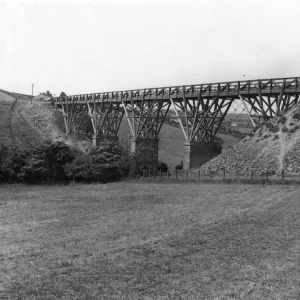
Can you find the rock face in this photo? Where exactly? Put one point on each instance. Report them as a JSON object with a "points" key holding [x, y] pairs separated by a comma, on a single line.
{"points": [[273, 146]]}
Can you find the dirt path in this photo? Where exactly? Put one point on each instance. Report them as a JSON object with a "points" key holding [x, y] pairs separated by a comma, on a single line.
{"points": [[33, 124]]}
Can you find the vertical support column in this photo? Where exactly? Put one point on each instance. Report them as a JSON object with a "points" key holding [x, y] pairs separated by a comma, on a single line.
{"points": [[198, 153]]}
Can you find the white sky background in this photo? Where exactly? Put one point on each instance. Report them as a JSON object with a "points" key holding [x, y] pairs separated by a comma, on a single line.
{"points": [[96, 46]]}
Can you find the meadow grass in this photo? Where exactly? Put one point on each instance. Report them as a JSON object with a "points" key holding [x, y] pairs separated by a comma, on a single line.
{"points": [[149, 240]]}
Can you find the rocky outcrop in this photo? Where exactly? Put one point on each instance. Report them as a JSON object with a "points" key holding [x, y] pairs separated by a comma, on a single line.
{"points": [[273, 146]]}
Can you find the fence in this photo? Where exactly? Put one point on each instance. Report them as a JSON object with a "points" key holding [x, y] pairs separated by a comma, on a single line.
{"points": [[188, 175]]}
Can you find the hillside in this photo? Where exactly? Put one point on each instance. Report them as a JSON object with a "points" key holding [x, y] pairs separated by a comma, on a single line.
{"points": [[33, 124], [6, 104], [270, 148]]}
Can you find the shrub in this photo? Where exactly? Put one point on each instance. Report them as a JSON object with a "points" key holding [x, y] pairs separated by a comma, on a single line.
{"points": [[296, 115], [274, 129], [109, 162], [162, 166], [269, 125], [282, 119], [34, 171], [296, 127], [292, 130], [275, 137], [13, 159], [284, 129], [180, 166], [291, 124]]}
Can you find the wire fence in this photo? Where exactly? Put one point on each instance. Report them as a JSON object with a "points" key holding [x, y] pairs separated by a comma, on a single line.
{"points": [[225, 177]]}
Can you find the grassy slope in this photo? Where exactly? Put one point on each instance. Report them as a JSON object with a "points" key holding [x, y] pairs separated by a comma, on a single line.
{"points": [[6, 102], [149, 241]]}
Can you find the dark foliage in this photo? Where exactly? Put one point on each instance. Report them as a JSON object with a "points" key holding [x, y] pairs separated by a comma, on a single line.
{"points": [[162, 166], [292, 130], [274, 129], [109, 162], [269, 125], [282, 119], [43, 164], [284, 129], [296, 116], [180, 166], [12, 160]]}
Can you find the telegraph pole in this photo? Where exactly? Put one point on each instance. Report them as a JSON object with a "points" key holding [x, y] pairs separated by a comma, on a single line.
{"points": [[32, 92]]}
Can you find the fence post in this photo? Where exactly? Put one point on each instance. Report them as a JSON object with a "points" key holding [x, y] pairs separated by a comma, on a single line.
{"points": [[154, 173], [168, 173], [238, 174], [149, 172], [187, 174], [199, 174], [160, 174], [224, 173], [282, 174], [267, 175], [210, 174], [176, 173], [252, 175]]}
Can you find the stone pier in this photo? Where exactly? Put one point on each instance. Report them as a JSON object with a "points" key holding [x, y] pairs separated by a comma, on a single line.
{"points": [[198, 153], [146, 151]]}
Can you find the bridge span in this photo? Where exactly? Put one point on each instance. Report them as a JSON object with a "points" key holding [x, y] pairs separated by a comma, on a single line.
{"points": [[199, 108]]}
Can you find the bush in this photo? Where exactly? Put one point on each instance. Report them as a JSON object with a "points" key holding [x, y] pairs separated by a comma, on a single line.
{"points": [[275, 137], [291, 124], [296, 116], [180, 166], [12, 161], [42, 164], [109, 162], [282, 119], [284, 129], [274, 129], [292, 130], [269, 125], [162, 166]]}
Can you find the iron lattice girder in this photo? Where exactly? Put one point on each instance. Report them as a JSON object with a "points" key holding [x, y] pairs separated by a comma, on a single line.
{"points": [[76, 118], [200, 119], [146, 117], [204, 105], [106, 117]]}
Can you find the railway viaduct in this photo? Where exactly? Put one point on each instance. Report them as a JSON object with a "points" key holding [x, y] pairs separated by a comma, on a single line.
{"points": [[200, 110]]}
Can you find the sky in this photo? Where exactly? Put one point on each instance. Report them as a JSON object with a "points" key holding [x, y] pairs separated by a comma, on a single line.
{"points": [[86, 46]]}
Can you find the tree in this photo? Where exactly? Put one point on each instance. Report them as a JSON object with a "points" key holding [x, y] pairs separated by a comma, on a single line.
{"points": [[63, 94]]}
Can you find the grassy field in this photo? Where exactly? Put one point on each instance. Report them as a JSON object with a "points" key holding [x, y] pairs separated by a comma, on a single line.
{"points": [[138, 240]]}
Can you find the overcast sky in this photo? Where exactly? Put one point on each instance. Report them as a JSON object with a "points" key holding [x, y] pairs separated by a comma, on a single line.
{"points": [[95, 46]]}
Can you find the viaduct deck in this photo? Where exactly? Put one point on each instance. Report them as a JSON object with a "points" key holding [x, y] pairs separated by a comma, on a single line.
{"points": [[233, 89]]}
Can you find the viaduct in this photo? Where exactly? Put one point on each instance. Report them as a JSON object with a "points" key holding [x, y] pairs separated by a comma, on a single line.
{"points": [[200, 110]]}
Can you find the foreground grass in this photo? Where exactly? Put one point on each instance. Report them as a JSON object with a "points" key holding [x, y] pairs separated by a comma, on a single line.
{"points": [[149, 241]]}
